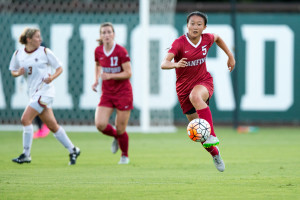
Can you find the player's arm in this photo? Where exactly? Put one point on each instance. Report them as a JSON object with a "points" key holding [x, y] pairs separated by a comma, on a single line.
{"points": [[50, 78], [220, 42], [125, 74], [14, 67], [97, 75], [19, 72], [168, 64]]}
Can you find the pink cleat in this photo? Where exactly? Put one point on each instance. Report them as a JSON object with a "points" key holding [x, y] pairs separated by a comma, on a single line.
{"points": [[43, 132], [37, 134]]}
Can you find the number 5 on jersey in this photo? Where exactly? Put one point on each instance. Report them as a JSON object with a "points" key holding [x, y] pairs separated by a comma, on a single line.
{"points": [[204, 49]]}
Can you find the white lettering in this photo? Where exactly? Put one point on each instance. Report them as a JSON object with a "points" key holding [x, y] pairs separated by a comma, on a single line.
{"points": [[60, 36], [255, 98], [166, 98]]}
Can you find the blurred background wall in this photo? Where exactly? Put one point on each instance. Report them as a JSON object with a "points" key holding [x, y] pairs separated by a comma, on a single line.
{"points": [[265, 88]]}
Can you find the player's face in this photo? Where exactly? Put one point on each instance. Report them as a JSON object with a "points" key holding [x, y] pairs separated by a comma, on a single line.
{"points": [[107, 34], [195, 26], [36, 40]]}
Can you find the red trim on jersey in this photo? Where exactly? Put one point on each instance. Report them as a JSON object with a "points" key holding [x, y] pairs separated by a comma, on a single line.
{"points": [[17, 52], [30, 51]]}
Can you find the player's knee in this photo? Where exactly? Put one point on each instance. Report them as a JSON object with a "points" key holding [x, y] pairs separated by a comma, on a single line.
{"points": [[53, 127], [120, 129], [25, 122], [195, 98], [100, 126]]}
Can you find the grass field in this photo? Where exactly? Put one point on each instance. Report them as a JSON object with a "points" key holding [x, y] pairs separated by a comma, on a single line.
{"points": [[263, 165]]}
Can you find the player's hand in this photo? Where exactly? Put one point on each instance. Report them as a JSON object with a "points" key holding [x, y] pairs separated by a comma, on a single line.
{"points": [[94, 86], [48, 79], [105, 76], [181, 63], [21, 71], [231, 63]]}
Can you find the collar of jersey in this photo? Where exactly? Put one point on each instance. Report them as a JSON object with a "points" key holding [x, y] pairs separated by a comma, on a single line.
{"points": [[187, 38], [112, 49]]}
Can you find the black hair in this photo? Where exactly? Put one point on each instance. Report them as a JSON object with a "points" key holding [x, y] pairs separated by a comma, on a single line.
{"points": [[198, 13]]}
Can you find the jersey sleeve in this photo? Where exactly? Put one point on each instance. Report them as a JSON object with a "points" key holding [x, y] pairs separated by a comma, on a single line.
{"points": [[14, 64], [174, 49], [52, 59], [124, 56]]}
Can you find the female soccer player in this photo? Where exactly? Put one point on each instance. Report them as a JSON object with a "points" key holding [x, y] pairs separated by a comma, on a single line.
{"points": [[113, 67], [194, 84], [34, 62]]}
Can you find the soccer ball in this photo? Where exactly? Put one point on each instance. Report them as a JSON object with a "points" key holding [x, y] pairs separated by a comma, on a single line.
{"points": [[198, 130]]}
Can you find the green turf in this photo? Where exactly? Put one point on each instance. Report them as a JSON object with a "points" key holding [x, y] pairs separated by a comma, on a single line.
{"points": [[263, 165]]}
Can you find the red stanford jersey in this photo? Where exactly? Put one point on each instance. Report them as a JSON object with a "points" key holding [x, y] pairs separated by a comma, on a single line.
{"points": [[111, 62], [196, 72]]}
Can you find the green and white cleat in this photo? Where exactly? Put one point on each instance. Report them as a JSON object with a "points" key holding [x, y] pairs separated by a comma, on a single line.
{"points": [[218, 161], [211, 141], [115, 146]]}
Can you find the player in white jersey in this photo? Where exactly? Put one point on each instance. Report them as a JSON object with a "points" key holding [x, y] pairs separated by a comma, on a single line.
{"points": [[35, 63]]}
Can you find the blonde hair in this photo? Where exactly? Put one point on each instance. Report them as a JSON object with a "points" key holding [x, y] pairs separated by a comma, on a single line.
{"points": [[105, 24], [27, 33]]}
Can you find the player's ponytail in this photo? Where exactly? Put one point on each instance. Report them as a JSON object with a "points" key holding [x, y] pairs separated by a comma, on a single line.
{"points": [[100, 41], [105, 24], [27, 33]]}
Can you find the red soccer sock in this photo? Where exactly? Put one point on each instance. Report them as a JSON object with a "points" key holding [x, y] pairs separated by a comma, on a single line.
{"points": [[123, 143], [206, 114], [212, 150], [110, 131]]}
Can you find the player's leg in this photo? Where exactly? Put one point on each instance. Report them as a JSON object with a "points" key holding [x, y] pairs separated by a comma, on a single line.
{"points": [[102, 116], [213, 150], [28, 115], [198, 97], [121, 121], [47, 116]]}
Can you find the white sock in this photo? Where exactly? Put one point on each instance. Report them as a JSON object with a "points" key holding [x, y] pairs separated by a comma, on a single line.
{"points": [[62, 137], [27, 139]]}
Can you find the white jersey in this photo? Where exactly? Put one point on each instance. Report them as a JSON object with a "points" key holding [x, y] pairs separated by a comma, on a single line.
{"points": [[37, 67]]}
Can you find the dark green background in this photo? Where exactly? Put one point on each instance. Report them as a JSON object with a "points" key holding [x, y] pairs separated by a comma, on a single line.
{"points": [[77, 116]]}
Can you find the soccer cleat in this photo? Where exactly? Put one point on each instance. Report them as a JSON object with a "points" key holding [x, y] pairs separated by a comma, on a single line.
{"points": [[37, 134], [74, 155], [124, 160], [44, 131], [114, 146], [211, 141], [22, 159], [41, 133], [218, 161]]}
